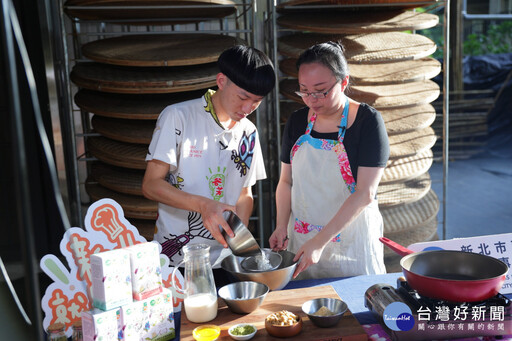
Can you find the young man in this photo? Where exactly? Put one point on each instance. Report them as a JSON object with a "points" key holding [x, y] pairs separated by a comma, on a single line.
{"points": [[205, 155]]}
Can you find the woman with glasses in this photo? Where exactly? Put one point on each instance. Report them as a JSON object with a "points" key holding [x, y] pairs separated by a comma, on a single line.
{"points": [[333, 156]]}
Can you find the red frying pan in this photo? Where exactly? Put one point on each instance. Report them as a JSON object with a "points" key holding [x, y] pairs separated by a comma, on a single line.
{"points": [[454, 276]]}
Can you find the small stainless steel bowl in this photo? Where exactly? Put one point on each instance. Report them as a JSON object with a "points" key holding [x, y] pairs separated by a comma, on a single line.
{"points": [[338, 307], [275, 279], [268, 258], [243, 297], [243, 243]]}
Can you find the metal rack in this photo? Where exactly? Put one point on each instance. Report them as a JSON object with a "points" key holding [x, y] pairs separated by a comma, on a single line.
{"points": [[75, 123], [272, 37], [246, 23]]}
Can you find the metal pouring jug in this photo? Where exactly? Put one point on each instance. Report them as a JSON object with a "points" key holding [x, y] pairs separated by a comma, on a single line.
{"points": [[243, 243], [199, 289]]}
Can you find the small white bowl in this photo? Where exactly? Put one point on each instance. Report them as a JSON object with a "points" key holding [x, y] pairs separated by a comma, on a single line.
{"points": [[242, 337]]}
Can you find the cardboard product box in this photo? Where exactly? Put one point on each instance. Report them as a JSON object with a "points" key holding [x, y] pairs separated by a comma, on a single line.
{"points": [[160, 324], [133, 319], [146, 272], [149, 319], [99, 325], [111, 279]]}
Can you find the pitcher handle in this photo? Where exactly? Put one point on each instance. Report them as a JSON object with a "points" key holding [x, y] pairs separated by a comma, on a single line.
{"points": [[173, 279]]}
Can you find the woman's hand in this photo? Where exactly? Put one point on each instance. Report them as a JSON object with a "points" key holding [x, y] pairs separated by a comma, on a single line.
{"points": [[309, 254], [279, 239]]}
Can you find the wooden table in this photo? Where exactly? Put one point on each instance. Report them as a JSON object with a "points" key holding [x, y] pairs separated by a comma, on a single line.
{"points": [[348, 328]]}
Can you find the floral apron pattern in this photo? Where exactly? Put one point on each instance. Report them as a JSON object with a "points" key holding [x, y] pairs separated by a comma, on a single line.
{"points": [[322, 181], [327, 145]]}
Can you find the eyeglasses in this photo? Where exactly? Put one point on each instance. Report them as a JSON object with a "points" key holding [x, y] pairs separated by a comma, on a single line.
{"points": [[317, 95]]}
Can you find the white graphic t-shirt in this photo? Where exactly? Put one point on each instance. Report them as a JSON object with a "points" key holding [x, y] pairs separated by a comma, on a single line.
{"points": [[205, 159]]}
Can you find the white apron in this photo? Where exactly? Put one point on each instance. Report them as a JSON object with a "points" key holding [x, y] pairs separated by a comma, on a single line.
{"points": [[322, 181]]}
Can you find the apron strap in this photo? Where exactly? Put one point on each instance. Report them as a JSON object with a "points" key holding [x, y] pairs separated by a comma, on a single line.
{"points": [[343, 121], [311, 123]]}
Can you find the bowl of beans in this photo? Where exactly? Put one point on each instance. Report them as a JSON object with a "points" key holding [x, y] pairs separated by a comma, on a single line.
{"points": [[283, 324]]}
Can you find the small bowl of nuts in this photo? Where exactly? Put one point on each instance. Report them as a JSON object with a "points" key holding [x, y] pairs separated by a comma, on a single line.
{"points": [[283, 324]]}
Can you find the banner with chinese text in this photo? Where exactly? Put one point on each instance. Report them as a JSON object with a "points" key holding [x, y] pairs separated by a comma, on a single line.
{"points": [[498, 246]]}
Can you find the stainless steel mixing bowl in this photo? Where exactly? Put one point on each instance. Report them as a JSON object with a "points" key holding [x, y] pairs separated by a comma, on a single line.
{"points": [[243, 297], [275, 279]]}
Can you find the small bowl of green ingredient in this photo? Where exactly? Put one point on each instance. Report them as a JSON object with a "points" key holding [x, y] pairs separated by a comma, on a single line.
{"points": [[242, 331]]}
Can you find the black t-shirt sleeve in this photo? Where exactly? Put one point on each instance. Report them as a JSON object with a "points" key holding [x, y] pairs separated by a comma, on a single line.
{"points": [[373, 140], [293, 129]]}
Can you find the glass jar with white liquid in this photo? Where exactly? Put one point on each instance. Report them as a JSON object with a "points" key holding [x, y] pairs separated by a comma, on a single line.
{"points": [[199, 289]]}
